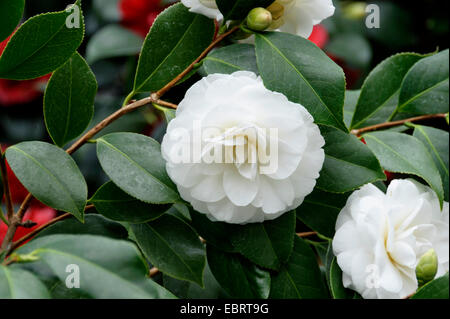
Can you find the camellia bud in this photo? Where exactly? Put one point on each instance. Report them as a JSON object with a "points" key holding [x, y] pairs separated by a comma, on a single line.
{"points": [[427, 267], [355, 10], [259, 19]]}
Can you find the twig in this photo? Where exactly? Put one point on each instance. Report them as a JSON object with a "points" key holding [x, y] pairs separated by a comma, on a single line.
{"points": [[307, 234], [6, 188], [377, 127], [153, 272]]}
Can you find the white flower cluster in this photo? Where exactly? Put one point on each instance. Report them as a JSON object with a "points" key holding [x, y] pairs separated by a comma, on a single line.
{"points": [[381, 237], [293, 16]]}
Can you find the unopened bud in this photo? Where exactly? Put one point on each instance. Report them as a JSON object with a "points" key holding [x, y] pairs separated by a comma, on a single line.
{"points": [[427, 267], [355, 10], [259, 19]]}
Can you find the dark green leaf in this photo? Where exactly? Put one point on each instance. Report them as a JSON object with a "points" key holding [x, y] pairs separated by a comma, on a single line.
{"points": [[436, 289], [351, 47], [176, 39], [267, 244], [349, 164], [51, 175], [93, 225], [112, 41], [319, 211], [239, 9], [351, 98], [425, 87], [379, 93], [300, 278], [437, 143], [113, 203], [16, 283], [135, 164], [108, 268], [42, 44], [237, 276], [11, 12], [297, 68], [69, 100], [230, 59], [402, 153], [173, 246], [169, 114]]}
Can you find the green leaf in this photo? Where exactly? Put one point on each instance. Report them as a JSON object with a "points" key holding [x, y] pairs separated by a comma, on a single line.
{"points": [[267, 244], [113, 203], [16, 283], [297, 68], [176, 39], [319, 211], [169, 114], [69, 100], [173, 246], [189, 290], [94, 224], [42, 44], [351, 47], [351, 98], [338, 291], [11, 12], [230, 59], [437, 143], [300, 278], [108, 268], [379, 93], [425, 89], [239, 9], [107, 9], [113, 41], [237, 276], [348, 165], [215, 233], [51, 175], [135, 164], [436, 289], [401, 153]]}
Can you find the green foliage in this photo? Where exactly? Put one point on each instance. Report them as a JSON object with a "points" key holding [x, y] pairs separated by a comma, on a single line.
{"points": [[10, 14], [32, 54], [230, 59], [436, 289], [238, 9], [69, 100], [16, 283]]}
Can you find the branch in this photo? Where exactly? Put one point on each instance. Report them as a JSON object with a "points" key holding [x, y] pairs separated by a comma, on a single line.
{"points": [[396, 123], [6, 188]]}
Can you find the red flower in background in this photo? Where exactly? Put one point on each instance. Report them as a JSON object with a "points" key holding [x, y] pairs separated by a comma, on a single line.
{"points": [[319, 36], [19, 92], [138, 15]]}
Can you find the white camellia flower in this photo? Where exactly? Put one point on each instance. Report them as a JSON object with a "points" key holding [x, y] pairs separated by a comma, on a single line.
{"points": [[381, 237], [269, 151], [206, 7], [300, 16]]}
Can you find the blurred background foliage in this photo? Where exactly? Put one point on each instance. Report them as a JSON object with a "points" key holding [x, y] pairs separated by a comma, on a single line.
{"points": [[114, 34]]}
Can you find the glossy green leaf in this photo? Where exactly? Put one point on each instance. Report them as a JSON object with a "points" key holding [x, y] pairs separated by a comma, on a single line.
{"points": [[267, 244], [176, 39], [436, 289], [237, 276], [42, 44], [108, 268], [402, 153], [319, 211], [300, 278], [379, 93], [113, 203], [51, 175], [11, 12], [297, 68], [169, 114], [230, 59], [113, 41], [16, 283], [135, 164], [238, 9], [337, 289], [425, 89], [348, 165], [437, 143], [351, 47], [94, 224], [173, 246], [351, 99], [69, 100]]}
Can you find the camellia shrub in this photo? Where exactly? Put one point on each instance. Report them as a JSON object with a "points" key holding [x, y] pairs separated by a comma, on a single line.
{"points": [[271, 181]]}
